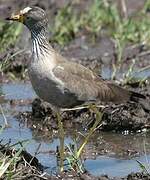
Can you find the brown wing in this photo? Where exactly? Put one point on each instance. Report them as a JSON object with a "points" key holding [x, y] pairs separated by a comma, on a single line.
{"points": [[88, 86]]}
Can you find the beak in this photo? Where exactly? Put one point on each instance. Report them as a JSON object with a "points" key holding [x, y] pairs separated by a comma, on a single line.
{"points": [[17, 17]]}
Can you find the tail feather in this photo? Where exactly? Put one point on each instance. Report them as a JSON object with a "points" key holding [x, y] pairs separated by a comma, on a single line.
{"points": [[121, 95], [136, 96]]}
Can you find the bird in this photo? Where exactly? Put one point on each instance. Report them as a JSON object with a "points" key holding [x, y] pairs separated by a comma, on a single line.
{"points": [[57, 80]]}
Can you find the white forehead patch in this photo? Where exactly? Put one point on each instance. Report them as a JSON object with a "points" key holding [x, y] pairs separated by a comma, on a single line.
{"points": [[25, 10]]}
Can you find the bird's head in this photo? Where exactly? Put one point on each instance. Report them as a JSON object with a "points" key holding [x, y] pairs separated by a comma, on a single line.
{"points": [[33, 17]]}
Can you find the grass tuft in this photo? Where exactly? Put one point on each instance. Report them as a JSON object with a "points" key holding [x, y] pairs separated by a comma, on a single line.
{"points": [[9, 33], [66, 25]]}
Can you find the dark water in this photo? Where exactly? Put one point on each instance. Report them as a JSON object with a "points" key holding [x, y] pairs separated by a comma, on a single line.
{"points": [[114, 154]]}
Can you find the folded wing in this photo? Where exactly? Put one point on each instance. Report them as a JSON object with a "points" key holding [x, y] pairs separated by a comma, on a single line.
{"points": [[87, 85]]}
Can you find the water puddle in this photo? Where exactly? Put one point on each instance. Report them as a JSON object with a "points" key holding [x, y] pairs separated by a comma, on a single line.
{"points": [[107, 153]]}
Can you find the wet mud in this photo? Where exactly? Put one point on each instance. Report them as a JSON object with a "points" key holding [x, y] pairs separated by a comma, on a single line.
{"points": [[26, 167]]}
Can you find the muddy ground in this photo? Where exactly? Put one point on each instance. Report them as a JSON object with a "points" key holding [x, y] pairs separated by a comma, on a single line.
{"points": [[129, 117], [28, 167]]}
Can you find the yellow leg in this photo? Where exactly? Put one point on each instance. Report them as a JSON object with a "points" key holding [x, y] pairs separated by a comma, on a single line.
{"points": [[82, 107], [99, 116], [61, 137]]}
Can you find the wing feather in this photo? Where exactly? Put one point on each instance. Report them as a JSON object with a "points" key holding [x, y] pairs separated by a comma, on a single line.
{"points": [[87, 85]]}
